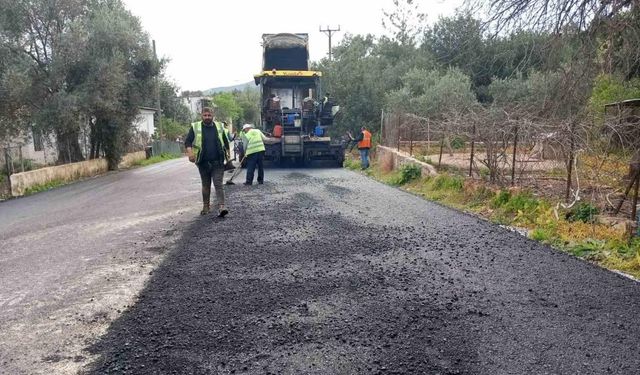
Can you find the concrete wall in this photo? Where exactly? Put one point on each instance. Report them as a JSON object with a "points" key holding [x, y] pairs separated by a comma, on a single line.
{"points": [[20, 182], [129, 159], [397, 158]]}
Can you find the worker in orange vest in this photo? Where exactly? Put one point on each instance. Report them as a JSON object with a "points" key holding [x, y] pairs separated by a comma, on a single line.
{"points": [[364, 144]]}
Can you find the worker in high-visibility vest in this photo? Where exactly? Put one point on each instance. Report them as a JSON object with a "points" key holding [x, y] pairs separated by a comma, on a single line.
{"points": [[253, 142], [207, 146], [364, 144]]}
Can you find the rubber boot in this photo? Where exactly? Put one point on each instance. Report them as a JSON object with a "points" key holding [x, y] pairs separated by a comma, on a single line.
{"points": [[205, 209]]}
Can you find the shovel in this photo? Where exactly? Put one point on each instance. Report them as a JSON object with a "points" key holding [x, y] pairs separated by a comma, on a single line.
{"points": [[235, 173]]}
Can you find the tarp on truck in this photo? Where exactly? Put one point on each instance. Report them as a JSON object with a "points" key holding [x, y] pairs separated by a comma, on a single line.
{"points": [[285, 51]]}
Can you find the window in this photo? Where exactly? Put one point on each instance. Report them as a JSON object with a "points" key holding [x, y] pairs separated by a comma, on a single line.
{"points": [[37, 140]]}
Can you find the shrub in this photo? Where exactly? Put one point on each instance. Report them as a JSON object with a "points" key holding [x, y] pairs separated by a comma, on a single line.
{"points": [[501, 199], [457, 143], [584, 212], [351, 163], [407, 173], [448, 182]]}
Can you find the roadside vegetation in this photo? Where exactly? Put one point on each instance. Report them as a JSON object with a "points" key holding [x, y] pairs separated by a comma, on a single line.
{"points": [[155, 159], [574, 230], [44, 187]]}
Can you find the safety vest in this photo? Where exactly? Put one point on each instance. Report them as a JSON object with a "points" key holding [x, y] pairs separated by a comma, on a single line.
{"points": [[366, 140], [252, 142], [197, 142]]}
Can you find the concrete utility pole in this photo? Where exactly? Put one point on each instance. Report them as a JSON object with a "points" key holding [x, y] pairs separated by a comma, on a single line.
{"points": [[329, 31]]}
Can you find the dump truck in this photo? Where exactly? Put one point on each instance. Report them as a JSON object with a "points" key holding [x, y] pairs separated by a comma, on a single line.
{"points": [[295, 111]]}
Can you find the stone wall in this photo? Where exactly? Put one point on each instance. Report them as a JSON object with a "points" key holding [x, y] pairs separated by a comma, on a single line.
{"points": [[20, 182], [397, 158]]}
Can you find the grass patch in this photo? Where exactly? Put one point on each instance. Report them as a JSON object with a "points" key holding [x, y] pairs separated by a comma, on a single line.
{"points": [[44, 187], [573, 231], [155, 159]]}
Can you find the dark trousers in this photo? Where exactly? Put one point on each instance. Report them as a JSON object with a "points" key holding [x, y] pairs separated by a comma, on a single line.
{"points": [[212, 171], [253, 160]]}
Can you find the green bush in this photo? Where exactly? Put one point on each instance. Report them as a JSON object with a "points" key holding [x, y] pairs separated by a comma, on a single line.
{"points": [[501, 199], [407, 173], [448, 182], [457, 143], [584, 212]]}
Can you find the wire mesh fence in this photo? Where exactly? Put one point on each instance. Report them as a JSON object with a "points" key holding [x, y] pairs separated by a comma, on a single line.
{"points": [[565, 161]]}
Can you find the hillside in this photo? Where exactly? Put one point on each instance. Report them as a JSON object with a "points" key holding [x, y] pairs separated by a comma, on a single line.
{"points": [[239, 87]]}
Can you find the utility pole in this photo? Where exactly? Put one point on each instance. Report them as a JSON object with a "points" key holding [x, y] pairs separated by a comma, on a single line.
{"points": [[329, 31], [158, 109]]}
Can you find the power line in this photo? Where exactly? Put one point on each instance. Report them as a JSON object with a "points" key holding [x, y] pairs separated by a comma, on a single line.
{"points": [[329, 31]]}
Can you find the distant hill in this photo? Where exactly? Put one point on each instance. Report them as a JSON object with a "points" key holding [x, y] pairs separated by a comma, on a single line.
{"points": [[239, 87]]}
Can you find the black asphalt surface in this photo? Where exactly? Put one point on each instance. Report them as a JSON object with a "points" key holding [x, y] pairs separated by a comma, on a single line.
{"points": [[73, 258], [328, 272]]}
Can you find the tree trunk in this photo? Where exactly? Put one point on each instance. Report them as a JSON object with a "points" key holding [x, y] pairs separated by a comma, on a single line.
{"points": [[68, 144]]}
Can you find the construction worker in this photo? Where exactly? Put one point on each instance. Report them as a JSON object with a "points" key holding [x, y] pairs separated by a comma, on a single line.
{"points": [[253, 142], [364, 144], [211, 146]]}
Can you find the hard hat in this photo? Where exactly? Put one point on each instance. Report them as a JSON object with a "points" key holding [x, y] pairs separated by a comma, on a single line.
{"points": [[247, 126]]}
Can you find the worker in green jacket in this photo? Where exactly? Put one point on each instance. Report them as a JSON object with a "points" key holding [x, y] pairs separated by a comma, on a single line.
{"points": [[253, 142]]}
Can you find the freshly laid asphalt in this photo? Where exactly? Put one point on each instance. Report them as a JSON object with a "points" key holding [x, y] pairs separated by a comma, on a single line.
{"points": [[324, 271]]}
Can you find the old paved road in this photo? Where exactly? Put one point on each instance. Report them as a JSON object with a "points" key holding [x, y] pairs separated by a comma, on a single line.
{"points": [[317, 271]]}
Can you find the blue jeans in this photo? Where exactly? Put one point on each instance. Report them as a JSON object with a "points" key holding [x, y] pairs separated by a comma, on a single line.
{"points": [[364, 158]]}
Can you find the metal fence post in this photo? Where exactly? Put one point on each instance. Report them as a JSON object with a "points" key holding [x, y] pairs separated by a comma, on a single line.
{"points": [[428, 137], [411, 139], [382, 128], [515, 151], [441, 147], [398, 132], [473, 144], [570, 167]]}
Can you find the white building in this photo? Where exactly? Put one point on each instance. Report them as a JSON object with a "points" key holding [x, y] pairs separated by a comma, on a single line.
{"points": [[34, 148], [144, 121], [196, 103]]}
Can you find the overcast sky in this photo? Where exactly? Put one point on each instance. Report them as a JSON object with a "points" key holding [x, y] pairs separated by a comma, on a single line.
{"points": [[217, 43]]}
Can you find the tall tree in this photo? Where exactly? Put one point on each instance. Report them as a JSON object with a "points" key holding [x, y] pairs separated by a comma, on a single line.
{"points": [[119, 70], [34, 32]]}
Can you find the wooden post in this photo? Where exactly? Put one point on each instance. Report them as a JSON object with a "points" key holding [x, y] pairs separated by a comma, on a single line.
{"points": [[635, 198], [632, 182], [515, 152], [473, 144]]}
